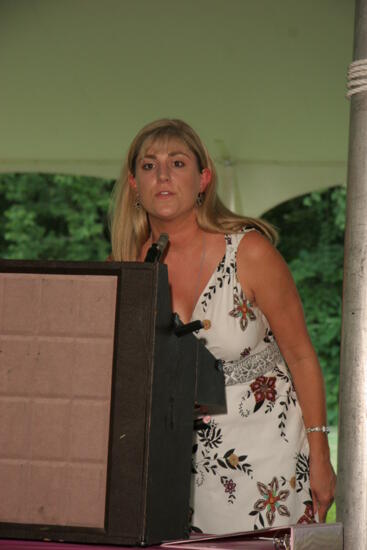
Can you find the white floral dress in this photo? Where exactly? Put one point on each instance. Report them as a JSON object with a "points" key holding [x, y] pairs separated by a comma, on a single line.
{"points": [[251, 465]]}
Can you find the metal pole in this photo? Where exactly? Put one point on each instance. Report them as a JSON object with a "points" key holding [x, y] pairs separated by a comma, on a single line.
{"points": [[352, 455]]}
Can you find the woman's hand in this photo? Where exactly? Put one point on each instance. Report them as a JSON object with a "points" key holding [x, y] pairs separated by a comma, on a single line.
{"points": [[322, 481]]}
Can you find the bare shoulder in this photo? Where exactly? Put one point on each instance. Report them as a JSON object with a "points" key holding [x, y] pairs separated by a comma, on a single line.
{"points": [[261, 267], [255, 247]]}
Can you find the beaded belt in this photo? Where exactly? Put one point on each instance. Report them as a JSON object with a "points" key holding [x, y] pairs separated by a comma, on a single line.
{"points": [[254, 365]]}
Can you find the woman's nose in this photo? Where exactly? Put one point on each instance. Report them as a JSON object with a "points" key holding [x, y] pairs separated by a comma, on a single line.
{"points": [[163, 172]]}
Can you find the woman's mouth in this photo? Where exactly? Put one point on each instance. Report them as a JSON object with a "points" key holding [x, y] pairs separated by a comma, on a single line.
{"points": [[164, 194]]}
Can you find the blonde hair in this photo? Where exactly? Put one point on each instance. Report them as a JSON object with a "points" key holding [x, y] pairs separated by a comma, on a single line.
{"points": [[130, 226]]}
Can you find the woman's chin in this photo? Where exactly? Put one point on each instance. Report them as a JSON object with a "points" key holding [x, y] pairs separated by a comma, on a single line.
{"points": [[170, 214]]}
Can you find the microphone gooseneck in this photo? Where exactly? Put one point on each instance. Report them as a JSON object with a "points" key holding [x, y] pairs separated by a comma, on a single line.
{"points": [[156, 250]]}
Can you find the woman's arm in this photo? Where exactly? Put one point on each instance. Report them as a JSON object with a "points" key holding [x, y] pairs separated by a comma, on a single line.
{"points": [[267, 281]]}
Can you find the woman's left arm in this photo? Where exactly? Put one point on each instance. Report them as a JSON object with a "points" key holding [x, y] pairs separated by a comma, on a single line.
{"points": [[265, 277]]}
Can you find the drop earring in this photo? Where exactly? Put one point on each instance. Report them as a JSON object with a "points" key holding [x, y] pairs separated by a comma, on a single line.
{"points": [[200, 199], [137, 203]]}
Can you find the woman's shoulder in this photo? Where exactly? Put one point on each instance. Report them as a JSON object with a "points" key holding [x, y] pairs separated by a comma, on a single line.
{"points": [[254, 246]]}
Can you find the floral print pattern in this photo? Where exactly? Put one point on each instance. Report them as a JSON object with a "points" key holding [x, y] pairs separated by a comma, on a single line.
{"points": [[246, 351], [263, 391], [271, 501], [302, 471], [229, 487], [251, 465], [269, 337], [208, 461], [308, 516], [242, 310], [263, 388]]}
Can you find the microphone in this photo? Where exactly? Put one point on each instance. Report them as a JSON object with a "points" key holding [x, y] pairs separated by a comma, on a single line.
{"points": [[156, 250]]}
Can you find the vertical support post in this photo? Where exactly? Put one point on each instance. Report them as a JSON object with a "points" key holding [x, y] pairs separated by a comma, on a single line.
{"points": [[352, 455]]}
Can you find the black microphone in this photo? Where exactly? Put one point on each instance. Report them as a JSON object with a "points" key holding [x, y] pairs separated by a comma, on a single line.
{"points": [[156, 250]]}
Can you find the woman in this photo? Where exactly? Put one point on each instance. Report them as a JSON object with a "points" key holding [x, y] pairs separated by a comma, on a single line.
{"points": [[266, 462]]}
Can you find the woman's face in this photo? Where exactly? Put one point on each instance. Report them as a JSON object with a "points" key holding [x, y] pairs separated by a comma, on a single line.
{"points": [[167, 179]]}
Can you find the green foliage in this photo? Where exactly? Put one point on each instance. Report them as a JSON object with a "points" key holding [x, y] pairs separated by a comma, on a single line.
{"points": [[311, 240], [48, 217], [333, 443]]}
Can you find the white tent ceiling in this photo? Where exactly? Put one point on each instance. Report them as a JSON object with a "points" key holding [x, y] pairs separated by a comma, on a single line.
{"points": [[262, 81]]}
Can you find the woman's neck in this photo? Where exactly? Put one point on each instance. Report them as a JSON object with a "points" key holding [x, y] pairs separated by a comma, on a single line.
{"points": [[181, 235]]}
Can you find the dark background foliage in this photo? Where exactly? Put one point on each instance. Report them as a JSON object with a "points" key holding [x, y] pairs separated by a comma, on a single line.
{"points": [[312, 242], [46, 216], [57, 217]]}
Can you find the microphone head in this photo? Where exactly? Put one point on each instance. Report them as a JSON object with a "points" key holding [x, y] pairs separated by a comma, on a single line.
{"points": [[162, 242]]}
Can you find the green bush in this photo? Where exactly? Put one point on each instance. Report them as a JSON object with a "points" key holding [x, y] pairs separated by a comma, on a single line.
{"points": [[49, 217], [312, 242]]}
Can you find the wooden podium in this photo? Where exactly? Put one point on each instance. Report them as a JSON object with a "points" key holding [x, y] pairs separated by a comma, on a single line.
{"points": [[96, 403]]}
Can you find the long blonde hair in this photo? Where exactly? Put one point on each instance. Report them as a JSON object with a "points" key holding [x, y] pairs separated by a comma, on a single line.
{"points": [[130, 226]]}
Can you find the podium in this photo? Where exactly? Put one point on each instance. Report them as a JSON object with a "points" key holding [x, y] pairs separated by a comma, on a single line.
{"points": [[97, 397]]}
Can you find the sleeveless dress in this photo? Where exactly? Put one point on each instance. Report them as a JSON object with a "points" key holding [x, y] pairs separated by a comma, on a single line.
{"points": [[251, 465]]}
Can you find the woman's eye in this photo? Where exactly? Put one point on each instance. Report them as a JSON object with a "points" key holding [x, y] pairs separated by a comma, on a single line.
{"points": [[147, 166], [178, 163]]}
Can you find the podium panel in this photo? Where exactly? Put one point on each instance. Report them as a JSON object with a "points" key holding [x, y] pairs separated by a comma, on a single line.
{"points": [[96, 403]]}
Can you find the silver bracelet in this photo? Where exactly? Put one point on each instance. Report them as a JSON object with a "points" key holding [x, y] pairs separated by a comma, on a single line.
{"points": [[324, 429]]}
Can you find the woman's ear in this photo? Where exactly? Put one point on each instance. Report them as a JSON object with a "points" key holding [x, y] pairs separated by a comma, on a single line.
{"points": [[132, 181], [205, 179]]}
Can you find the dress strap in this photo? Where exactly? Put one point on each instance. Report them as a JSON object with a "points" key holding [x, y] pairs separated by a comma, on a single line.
{"points": [[234, 239], [247, 229]]}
